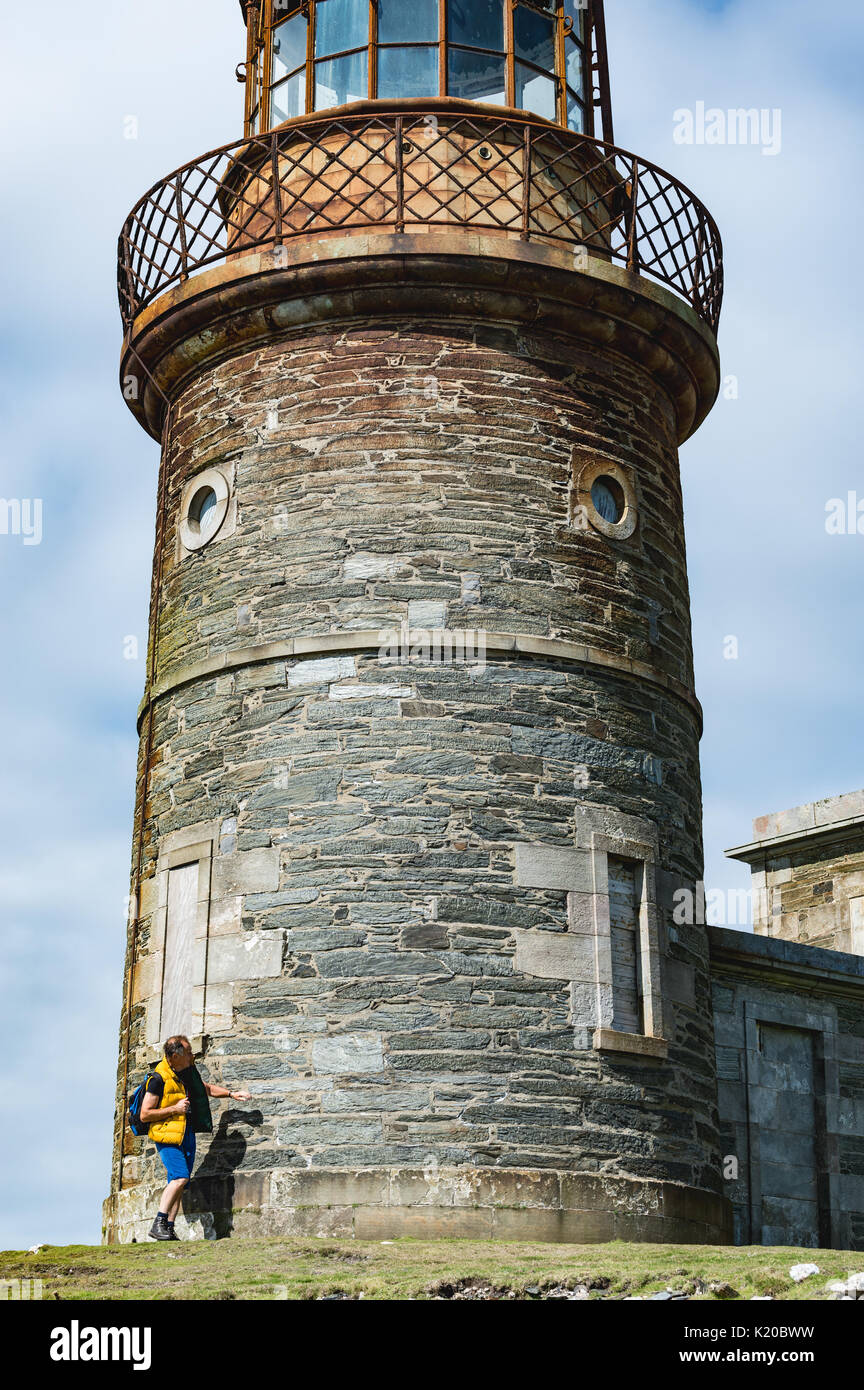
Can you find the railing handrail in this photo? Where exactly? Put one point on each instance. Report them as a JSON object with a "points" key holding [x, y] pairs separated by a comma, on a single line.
{"points": [[638, 214]]}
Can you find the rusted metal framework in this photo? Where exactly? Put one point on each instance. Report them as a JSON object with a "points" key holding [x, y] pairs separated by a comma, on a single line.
{"points": [[549, 56], [426, 167]]}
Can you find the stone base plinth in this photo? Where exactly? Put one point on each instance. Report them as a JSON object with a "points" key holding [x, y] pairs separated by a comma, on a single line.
{"points": [[459, 1203]]}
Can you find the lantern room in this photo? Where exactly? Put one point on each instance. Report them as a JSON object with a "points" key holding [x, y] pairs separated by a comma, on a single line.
{"points": [[546, 57]]}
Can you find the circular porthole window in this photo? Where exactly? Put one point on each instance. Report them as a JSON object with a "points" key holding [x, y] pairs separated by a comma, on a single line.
{"points": [[203, 509], [607, 499]]}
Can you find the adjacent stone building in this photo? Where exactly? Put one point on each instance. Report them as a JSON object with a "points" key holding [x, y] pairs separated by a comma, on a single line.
{"points": [[789, 1023], [419, 771], [808, 873]]}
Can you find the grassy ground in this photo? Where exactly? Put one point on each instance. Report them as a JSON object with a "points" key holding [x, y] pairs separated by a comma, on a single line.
{"points": [[304, 1269]]}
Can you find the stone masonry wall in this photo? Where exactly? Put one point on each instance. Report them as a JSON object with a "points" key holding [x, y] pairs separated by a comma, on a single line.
{"points": [[377, 468], [789, 1023], [364, 816], [816, 894]]}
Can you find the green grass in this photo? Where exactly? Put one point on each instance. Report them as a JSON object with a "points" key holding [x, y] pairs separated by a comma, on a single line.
{"points": [[311, 1268]]}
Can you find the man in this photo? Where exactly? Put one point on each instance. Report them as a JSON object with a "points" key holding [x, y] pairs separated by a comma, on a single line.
{"points": [[176, 1107]]}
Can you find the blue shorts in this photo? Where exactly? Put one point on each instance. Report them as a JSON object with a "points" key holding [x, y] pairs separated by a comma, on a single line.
{"points": [[179, 1159]]}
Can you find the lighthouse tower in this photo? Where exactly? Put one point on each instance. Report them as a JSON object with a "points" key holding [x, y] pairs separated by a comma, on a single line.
{"points": [[419, 772]]}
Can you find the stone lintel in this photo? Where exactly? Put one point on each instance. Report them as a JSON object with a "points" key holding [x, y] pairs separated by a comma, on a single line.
{"points": [[637, 1044], [640, 838]]}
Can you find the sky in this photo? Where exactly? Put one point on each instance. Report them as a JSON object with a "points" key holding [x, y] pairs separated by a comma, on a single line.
{"points": [[782, 719]]}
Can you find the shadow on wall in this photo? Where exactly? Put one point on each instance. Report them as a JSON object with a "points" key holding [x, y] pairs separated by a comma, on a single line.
{"points": [[212, 1187]]}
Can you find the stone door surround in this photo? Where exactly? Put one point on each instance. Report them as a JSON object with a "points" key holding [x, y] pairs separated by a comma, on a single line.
{"points": [[583, 954]]}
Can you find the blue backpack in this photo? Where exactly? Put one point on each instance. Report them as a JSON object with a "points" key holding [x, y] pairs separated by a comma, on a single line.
{"points": [[136, 1100]]}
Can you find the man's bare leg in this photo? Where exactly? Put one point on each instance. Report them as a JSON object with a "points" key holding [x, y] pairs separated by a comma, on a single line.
{"points": [[172, 1197]]}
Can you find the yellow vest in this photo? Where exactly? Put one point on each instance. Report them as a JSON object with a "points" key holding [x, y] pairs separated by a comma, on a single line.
{"points": [[172, 1130]]}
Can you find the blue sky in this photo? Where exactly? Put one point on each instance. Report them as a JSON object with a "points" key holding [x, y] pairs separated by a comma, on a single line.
{"points": [[782, 722]]}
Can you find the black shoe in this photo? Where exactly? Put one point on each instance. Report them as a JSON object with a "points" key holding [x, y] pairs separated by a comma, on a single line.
{"points": [[160, 1229], [173, 1234]]}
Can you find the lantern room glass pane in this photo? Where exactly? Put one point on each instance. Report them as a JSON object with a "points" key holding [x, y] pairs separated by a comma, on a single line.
{"points": [[288, 99], [340, 25], [535, 92], [408, 21], [575, 113], [576, 13], [476, 76], [255, 94], [478, 23], [574, 67], [340, 80], [289, 47], [534, 37], [407, 72]]}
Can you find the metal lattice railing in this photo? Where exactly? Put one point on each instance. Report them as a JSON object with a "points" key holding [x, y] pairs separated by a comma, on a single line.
{"points": [[395, 170]]}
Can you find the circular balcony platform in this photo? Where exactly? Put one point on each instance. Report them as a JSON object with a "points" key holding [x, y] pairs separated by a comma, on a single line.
{"points": [[431, 165]]}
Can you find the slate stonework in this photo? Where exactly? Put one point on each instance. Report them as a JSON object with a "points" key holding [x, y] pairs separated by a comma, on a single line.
{"points": [[424, 473], [381, 467]]}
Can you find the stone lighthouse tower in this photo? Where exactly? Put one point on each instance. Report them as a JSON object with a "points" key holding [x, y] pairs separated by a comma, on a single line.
{"points": [[419, 766]]}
